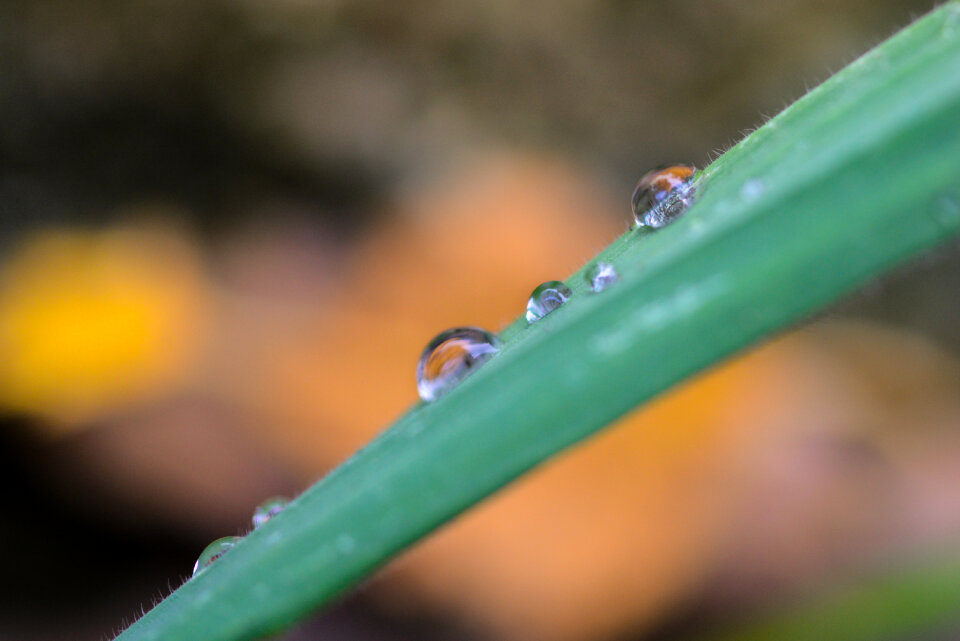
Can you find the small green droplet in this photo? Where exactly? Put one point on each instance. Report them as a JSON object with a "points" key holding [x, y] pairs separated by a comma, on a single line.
{"points": [[546, 298], [213, 552]]}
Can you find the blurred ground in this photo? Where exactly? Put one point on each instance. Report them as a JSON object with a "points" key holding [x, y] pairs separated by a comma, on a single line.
{"points": [[228, 228]]}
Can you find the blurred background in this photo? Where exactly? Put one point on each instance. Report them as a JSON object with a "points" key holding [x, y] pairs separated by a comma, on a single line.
{"points": [[228, 227]]}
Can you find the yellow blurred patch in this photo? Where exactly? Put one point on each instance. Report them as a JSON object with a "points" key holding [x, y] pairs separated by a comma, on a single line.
{"points": [[91, 321]]}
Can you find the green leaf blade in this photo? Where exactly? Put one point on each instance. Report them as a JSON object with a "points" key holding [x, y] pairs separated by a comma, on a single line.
{"points": [[856, 177]]}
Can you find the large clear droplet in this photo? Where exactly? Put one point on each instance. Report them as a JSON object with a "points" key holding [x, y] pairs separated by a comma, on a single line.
{"points": [[451, 357], [546, 298], [213, 552], [268, 509], [663, 195], [601, 275]]}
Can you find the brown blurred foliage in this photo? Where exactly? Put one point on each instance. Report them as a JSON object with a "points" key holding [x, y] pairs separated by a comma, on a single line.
{"points": [[224, 106]]}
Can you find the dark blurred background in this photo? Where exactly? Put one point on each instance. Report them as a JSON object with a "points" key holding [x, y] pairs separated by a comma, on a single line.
{"points": [[228, 227]]}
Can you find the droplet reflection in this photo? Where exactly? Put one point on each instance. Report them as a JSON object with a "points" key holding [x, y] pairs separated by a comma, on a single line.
{"points": [[451, 357], [601, 275], [213, 552], [268, 509], [546, 298], [663, 195]]}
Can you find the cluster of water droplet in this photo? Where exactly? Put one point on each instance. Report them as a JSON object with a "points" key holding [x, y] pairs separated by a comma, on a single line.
{"points": [[453, 355], [263, 513], [661, 197]]}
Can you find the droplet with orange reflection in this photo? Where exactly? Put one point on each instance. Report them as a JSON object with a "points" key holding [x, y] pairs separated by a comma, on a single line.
{"points": [[663, 195], [451, 357]]}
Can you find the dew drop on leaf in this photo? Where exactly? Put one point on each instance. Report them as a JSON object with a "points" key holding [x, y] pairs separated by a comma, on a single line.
{"points": [[663, 195], [546, 298], [268, 509], [213, 552], [451, 357], [601, 275]]}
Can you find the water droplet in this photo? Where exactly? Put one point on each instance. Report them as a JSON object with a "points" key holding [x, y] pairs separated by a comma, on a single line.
{"points": [[213, 552], [601, 275], [663, 195], [268, 509], [545, 298], [451, 357]]}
